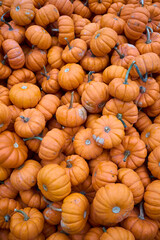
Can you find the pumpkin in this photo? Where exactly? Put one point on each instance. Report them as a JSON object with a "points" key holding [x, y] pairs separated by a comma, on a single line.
{"points": [[144, 175], [79, 24], [51, 188], [57, 160], [126, 11], [4, 234], [130, 153], [81, 234], [153, 110], [74, 216], [7, 210], [12, 150], [55, 57], [126, 112], [30, 123], [14, 53], [116, 8], [52, 216], [4, 95], [66, 98], [36, 59], [50, 81], [94, 233], [81, 9], [5, 71], [154, 18], [29, 171], [86, 189], [65, 7], [143, 121], [108, 131], [153, 162], [91, 119], [51, 144], [131, 179], [76, 168], [85, 146], [132, 132], [88, 31], [52, 123], [5, 117], [4, 173], [58, 236], [151, 196], [99, 7], [142, 227], [7, 190], [48, 105], [110, 207], [14, 114], [117, 233], [46, 15], [103, 41], [21, 223], [48, 229], [113, 71], [103, 173], [25, 95]]}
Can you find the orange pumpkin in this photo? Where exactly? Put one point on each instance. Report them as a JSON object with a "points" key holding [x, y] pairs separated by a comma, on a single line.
{"points": [[5, 117]]}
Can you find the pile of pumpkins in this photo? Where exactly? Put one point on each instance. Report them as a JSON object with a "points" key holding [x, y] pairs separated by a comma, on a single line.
{"points": [[80, 120]]}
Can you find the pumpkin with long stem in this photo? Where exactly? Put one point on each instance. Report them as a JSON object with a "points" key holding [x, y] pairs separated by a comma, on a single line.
{"points": [[113, 71]]}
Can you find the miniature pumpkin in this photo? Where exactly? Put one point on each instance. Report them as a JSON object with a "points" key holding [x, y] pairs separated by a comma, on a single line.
{"points": [[117, 233], [4, 95], [65, 7], [88, 31], [50, 81], [52, 216], [4, 173], [143, 173], [7, 190], [113, 71], [143, 121], [5, 117], [55, 57], [154, 162]]}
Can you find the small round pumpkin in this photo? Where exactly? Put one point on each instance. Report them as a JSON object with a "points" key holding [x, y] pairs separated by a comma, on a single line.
{"points": [[7, 190], [154, 162], [5, 117], [143, 173], [117, 233]]}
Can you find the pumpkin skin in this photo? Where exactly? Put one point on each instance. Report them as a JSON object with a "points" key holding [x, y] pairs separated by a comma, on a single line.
{"points": [[74, 216], [117, 233], [55, 57], [7, 210], [86, 189], [144, 175], [65, 7], [5, 71], [103, 41], [130, 153], [154, 18], [132, 132], [21, 75], [4, 234], [108, 131], [81, 234], [143, 121], [57, 160], [91, 119], [46, 15], [115, 206], [99, 7], [150, 136], [5, 117], [88, 31], [7, 190], [58, 236], [139, 17], [81, 9], [4, 173], [14, 114], [12, 150], [142, 227], [52, 216], [18, 224], [127, 112], [14, 53], [131, 179], [30, 123], [113, 71], [48, 229], [153, 162], [103, 173], [38, 36], [51, 144], [29, 171], [47, 182], [79, 24], [116, 8], [36, 59], [25, 95], [50, 82], [66, 98], [76, 168], [153, 110], [126, 11], [151, 196], [18, 12], [94, 233], [85, 146], [39, 237], [4, 95]]}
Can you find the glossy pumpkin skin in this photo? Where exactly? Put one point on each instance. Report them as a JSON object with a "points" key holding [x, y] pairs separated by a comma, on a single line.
{"points": [[38, 36], [108, 131], [91, 119], [74, 216], [36, 59], [52, 216], [131, 153], [154, 162], [47, 182], [131, 179], [76, 168], [51, 144], [5, 117], [12, 150], [143, 121], [18, 225], [115, 206], [7, 190], [103, 173], [29, 171], [18, 12], [113, 71], [7, 210], [14, 53], [142, 227], [151, 196], [117, 233]]}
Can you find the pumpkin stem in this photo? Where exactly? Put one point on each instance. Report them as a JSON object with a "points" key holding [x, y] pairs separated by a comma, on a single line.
{"points": [[3, 20], [149, 32], [0, 3], [71, 102], [55, 30], [6, 218], [86, 3], [4, 59], [51, 206], [45, 73], [25, 119], [68, 43], [26, 218], [69, 165], [36, 137], [39, 5], [119, 13], [138, 71], [128, 71], [92, 55], [142, 89], [89, 76], [104, 229], [142, 2], [119, 116], [141, 215], [117, 50], [126, 154]]}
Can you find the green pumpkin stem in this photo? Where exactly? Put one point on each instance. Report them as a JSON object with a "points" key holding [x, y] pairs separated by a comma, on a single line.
{"points": [[26, 218], [25, 119], [142, 3], [119, 13], [104, 229], [4, 59], [7, 218], [89, 76], [45, 73], [119, 116], [126, 154], [68, 43], [31, 138], [86, 3], [141, 215], [71, 102], [128, 71], [149, 32], [55, 30], [3, 20], [69, 165], [117, 50], [51, 206]]}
